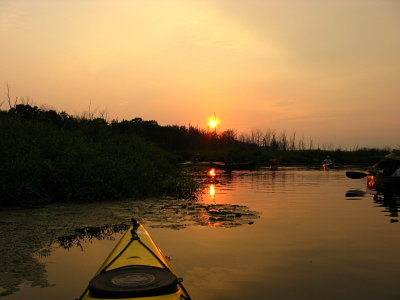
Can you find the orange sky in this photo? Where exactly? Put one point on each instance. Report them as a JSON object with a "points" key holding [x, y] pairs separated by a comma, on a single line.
{"points": [[325, 69]]}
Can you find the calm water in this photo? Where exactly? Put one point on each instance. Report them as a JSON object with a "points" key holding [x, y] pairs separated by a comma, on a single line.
{"points": [[299, 234]]}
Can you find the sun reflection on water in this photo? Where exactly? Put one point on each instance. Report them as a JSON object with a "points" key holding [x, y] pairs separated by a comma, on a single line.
{"points": [[212, 172], [212, 191]]}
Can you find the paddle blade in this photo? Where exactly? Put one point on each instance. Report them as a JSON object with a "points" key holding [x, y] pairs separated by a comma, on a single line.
{"points": [[356, 175]]}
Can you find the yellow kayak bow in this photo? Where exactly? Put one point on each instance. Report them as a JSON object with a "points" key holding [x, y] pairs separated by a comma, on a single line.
{"points": [[136, 269]]}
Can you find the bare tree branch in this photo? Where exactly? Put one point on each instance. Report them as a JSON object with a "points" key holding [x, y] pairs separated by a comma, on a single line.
{"points": [[8, 94], [9, 97], [90, 113]]}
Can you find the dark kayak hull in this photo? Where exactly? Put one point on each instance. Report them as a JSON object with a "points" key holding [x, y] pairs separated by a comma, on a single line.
{"points": [[380, 182]]}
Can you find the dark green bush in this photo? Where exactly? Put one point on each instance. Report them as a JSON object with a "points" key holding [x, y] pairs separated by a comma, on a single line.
{"points": [[42, 161]]}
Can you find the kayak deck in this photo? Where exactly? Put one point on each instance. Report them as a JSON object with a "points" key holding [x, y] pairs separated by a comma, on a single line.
{"points": [[136, 269]]}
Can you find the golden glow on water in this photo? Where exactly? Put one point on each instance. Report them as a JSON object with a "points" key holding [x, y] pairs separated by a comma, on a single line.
{"points": [[308, 241], [212, 172], [212, 191]]}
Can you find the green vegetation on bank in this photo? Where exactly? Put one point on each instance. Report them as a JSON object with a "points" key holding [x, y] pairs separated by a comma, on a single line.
{"points": [[48, 156]]}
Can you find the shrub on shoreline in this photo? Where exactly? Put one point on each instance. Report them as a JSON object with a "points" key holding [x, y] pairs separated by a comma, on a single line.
{"points": [[51, 160]]}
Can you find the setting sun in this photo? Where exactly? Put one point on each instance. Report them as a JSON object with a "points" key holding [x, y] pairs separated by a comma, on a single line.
{"points": [[213, 122]]}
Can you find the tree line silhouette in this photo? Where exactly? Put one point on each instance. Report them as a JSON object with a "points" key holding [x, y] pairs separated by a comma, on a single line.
{"points": [[48, 156]]}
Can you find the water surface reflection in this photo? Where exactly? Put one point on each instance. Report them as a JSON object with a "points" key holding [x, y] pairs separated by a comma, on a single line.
{"points": [[388, 200], [305, 240], [390, 203]]}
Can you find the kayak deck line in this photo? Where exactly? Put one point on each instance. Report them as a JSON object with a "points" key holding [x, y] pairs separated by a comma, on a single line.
{"points": [[136, 269]]}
